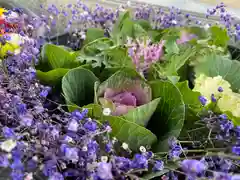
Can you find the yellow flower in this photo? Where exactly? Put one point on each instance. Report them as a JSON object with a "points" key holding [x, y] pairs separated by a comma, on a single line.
{"points": [[2, 10], [230, 103], [12, 45], [209, 85]]}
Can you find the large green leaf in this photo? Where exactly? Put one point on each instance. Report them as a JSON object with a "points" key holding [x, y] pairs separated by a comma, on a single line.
{"points": [[191, 101], [142, 114], [130, 133], [144, 24], [122, 26], [177, 61], [52, 77], [214, 65], [93, 34], [171, 45], [57, 57], [78, 86], [219, 36], [169, 117]]}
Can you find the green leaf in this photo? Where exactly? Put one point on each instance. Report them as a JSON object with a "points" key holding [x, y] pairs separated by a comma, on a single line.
{"points": [[173, 79], [93, 34], [191, 101], [219, 36], [144, 24], [52, 77], [118, 57], [57, 57], [214, 65], [176, 61], [138, 31], [201, 33], [130, 133], [78, 86], [94, 110], [169, 117], [171, 45], [142, 114]]}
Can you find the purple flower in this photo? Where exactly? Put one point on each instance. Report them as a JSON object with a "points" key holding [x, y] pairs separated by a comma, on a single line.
{"points": [[56, 176], [104, 171], [203, 100], [158, 166], [192, 166], [140, 162], [4, 161]]}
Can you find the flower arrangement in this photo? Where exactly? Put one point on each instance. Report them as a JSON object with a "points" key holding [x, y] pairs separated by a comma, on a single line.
{"points": [[138, 94]]}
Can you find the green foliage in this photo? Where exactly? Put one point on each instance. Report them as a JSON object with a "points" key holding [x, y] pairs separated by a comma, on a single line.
{"points": [[213, 65]]}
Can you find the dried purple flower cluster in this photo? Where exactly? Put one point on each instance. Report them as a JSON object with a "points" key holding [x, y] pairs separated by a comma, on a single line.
{"points": [[64, 145], [56, 143]]}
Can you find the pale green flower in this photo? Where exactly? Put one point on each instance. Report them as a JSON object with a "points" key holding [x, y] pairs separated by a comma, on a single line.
{"points": [[230, 103], [210, 85]]}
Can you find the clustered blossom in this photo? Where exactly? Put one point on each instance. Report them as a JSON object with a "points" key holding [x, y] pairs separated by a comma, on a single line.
{"points": [[144, 54]]}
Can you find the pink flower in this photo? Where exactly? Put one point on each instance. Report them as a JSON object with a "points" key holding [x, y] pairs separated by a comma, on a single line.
{"points": [[127, 99], [144, 56]]}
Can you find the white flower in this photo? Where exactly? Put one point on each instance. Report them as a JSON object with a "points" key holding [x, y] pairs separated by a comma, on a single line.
{"points": [[209, 85], [125, 146], [104, 158], [106, 111], [8, 145], [142, 149]]}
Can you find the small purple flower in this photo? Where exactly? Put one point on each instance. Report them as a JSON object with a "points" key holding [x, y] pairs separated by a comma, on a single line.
{"points": [[56, 176], [4, 161], [220, 89], [17, 175], [77, 114], [158, 166], [50, 168], [73, 125], [236, 150], [104, 171], [71, 154], [90, 126], [17, 165], [203, 100], [140, 162], [44, 93], [8, 132], [213, 99], [192, 166], [26, 120]]}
